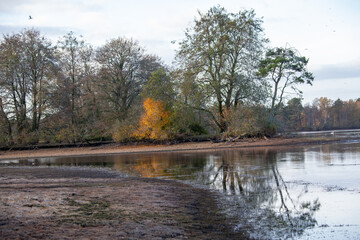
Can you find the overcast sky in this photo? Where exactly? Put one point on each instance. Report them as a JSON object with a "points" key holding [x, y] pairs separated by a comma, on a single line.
{"points": [[325, 31]]}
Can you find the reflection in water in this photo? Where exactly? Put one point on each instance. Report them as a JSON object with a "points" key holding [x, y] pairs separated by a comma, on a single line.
{"points": [[274, 193], [167, 165], [255, 178]]}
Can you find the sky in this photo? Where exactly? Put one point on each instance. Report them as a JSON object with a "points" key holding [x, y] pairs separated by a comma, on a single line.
{"points": [[325, 31]]}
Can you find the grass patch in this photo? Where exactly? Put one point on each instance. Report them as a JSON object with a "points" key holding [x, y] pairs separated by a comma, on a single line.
{"points": [[90, 213]]}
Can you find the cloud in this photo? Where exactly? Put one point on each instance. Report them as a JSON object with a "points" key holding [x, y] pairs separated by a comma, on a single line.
{"points": [[54, 33], [10, 6], [8, 29], [344, 89], [339, 71]]}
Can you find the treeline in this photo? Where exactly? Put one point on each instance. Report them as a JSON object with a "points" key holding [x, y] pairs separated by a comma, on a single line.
{"points": [[224, 80], [322, 114]]}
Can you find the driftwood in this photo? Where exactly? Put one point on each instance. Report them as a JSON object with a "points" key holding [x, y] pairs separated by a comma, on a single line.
{"points": [[226, 140], [216, 141]]}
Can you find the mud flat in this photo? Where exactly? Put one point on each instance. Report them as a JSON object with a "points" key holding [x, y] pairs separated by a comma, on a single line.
{"points": [[81, 203]]}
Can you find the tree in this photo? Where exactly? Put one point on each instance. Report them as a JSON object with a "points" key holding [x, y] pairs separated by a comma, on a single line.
{"points": [[72, 54], [5, 125], [336, 110], [26, 65], [222, 51], [39, 58], [324, 105], [124, 69], [159, 87], [293, 114], [154, 121], [285, 69], [13, 83]]}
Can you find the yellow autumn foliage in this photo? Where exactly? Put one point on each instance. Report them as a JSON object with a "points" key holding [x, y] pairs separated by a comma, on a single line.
{"points": [[154, 121]]}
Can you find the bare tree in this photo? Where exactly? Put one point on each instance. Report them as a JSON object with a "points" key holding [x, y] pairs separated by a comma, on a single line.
{"points": [[4, 120], [38, 57], [13, 80], [75, 58], [124, 69], [26, 61]]}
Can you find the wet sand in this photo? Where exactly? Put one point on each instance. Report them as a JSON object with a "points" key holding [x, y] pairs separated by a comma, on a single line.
{"points": [[110, 149]]}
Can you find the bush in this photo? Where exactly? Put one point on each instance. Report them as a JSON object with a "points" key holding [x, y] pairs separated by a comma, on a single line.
{"points": [[270, 129], [123, 132], [187, 121], [244, 121], [155, 121], [66, 135], [197, 129]]}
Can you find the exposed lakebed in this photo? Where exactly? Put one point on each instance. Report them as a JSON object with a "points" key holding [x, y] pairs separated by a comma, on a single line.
{"points": [[304, 192]]}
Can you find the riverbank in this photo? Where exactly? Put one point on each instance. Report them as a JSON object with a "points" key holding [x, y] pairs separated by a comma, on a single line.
{"points": [[81, 203], [113, 149]]}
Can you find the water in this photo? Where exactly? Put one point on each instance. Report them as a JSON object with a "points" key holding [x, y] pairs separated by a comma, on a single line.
{"points": [[310, 192], [349, 133]]}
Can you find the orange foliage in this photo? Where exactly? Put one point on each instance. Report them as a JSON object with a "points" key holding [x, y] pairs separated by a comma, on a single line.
{"points": [[154, 121]]}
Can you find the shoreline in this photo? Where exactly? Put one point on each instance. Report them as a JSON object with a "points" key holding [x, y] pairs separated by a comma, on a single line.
{"points": [[116, 149]]}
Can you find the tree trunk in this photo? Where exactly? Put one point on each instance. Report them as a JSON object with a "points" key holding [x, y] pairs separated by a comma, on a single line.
{"points": [[7, 121], [34, 111], [222, 121]]}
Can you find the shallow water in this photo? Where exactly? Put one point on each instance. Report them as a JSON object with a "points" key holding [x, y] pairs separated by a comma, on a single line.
{"points": [[309, 192]]}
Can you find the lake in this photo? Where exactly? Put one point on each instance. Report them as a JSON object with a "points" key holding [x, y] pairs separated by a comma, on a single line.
{"points": [[303, 192]]}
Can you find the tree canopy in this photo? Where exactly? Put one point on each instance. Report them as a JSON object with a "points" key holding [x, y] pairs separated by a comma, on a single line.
{"points": [[222, 51], [285, 68], [124, 69]]}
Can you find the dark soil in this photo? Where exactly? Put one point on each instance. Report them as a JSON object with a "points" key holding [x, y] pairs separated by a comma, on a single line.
{"points": [[80, 203]]}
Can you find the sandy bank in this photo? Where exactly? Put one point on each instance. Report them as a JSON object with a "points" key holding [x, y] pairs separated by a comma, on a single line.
{"points": [[143, 148]]}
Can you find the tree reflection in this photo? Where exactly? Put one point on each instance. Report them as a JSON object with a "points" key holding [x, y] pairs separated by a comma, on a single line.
{"points": [[163, 165], [254, 178]]}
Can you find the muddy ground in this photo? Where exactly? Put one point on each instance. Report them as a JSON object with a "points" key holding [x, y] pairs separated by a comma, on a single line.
{"points": [[81, 203]]}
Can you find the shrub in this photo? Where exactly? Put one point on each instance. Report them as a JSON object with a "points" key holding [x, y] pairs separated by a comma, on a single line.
{"points": [[123, 132], [243, 121], [154, 122], [197, 129], [270, 130], [66, 135]]}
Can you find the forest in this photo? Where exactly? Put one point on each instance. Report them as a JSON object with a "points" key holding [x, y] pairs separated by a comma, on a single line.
{"points": [[224, 81]]}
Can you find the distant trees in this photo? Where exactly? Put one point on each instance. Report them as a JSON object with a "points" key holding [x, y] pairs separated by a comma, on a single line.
{"points": [[322, 114], [292, 114], [221, 52]]}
